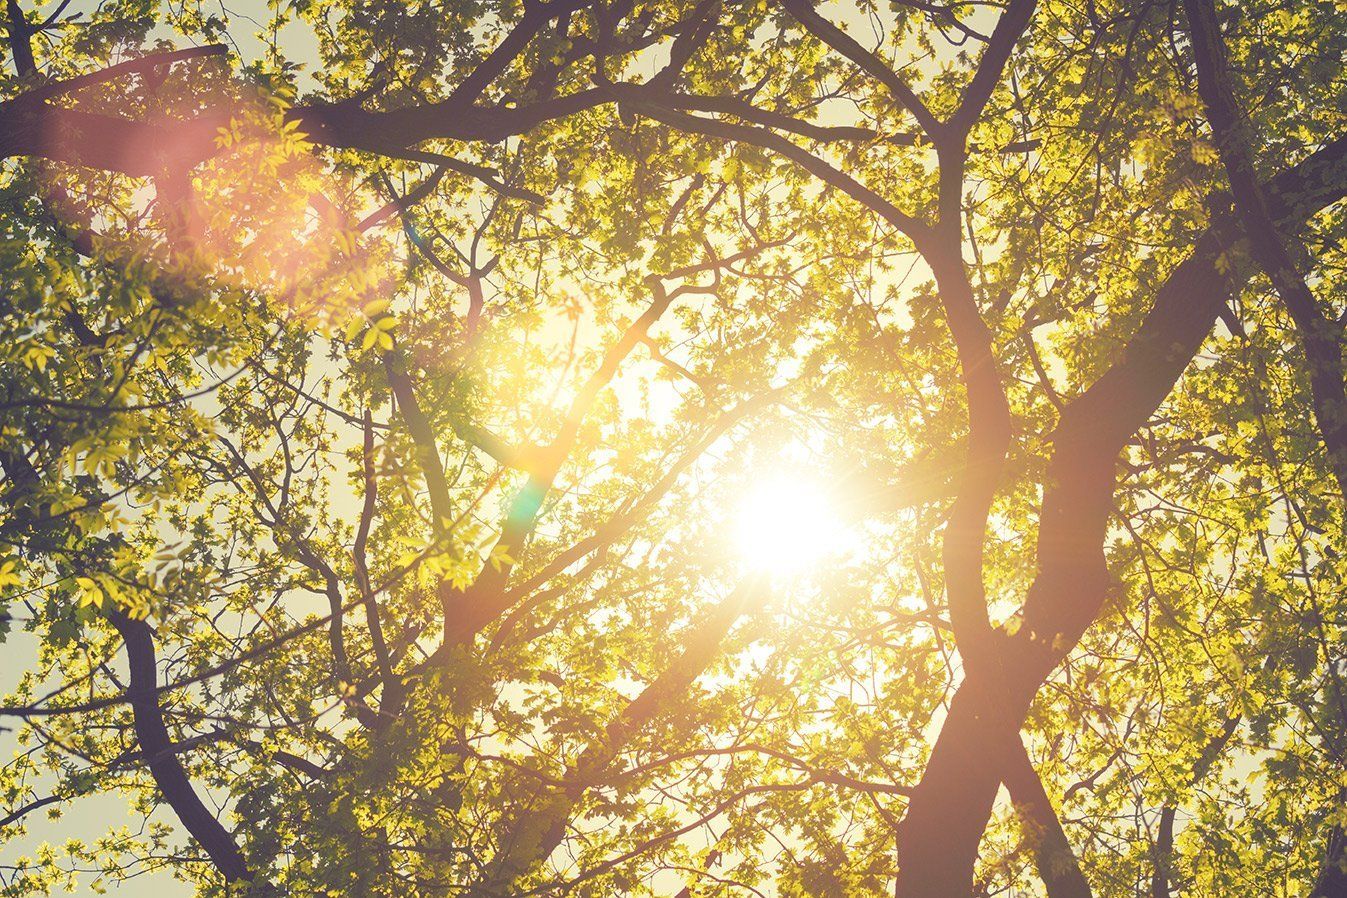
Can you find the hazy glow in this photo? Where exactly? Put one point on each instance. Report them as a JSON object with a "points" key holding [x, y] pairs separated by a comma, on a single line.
{"points": [[787, 525]]}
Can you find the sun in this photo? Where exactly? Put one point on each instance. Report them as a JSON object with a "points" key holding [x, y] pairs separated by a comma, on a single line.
{"points": [[787, 525]]}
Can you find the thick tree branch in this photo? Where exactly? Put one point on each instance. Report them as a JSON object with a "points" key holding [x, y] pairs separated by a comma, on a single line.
{"points": [[1332, 879], [979, 734], [536, 16], [1010, 27], [165, 767], [137, 66], [392, 696], [423, 438], [20, 39], [1056, 861], [1319, 334], [868, 62], [648, 104], [539, 828]]}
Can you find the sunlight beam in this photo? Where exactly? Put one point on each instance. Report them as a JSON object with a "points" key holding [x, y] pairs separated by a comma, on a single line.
{"points": [[787, 525]]}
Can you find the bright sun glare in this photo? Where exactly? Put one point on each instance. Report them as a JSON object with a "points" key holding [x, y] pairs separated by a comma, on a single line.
{"points": [[787, 525]]}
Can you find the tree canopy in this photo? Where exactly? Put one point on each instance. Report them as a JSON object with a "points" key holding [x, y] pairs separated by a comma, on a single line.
{"points": [[708, 448]]}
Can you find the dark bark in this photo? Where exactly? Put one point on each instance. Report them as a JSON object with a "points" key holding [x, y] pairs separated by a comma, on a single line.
{"points": [[1163, 854], [539, 828], [1272, 251], [1332, 881], [157, 747], [33, 126], [19, 121], [1163, 850], [391, 702], [20, 45], [423, 438], [1319, 335], [950, 809], [1054, 858]]}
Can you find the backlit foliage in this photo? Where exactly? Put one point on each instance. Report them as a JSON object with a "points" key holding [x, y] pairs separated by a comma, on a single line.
{"points": [[386, 387]]}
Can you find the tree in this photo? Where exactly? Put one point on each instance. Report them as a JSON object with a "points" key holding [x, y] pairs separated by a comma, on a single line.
{"points": [[391, 396]]}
